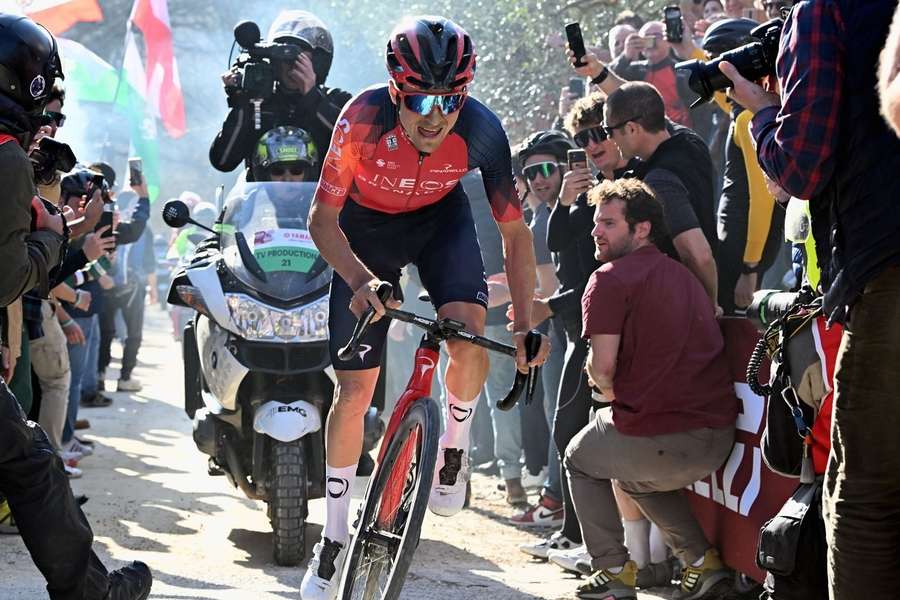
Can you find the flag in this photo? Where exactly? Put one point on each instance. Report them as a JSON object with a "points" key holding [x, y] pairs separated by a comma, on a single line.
{"points": [[163, 90], [89, 78], [132, 99], [55, 15]]}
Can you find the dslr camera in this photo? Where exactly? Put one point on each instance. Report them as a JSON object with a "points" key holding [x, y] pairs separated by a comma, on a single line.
{"points": [[753, 61], [49, 158], [256, 66]]}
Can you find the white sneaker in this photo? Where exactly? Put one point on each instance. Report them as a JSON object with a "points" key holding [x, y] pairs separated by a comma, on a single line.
{"points": [[76, 447], [533, 482], [542, 548], [73, 472], [129, 385], [323, 574], [567, 559], [448, 488]]}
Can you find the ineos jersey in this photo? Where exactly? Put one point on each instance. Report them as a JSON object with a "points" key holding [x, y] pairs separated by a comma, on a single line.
{"points": [[372, 161]]}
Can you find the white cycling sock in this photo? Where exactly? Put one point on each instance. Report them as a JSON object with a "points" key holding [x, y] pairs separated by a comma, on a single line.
{"points": [[659, 552], [637, 540], [338, 485], [459, 421]]}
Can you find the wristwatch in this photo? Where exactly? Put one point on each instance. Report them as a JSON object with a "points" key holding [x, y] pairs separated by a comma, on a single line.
{"points": [[601, 77], [747, 270]]}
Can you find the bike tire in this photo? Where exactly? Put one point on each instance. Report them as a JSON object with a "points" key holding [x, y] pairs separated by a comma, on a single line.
{"points": [[287, 502], [423, 420]]}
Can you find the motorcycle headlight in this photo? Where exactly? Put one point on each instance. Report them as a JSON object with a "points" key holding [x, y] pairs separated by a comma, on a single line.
{"points": [[256, 321]]}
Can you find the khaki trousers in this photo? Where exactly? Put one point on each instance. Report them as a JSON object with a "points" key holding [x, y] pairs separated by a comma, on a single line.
{"points": [[50, 363]]}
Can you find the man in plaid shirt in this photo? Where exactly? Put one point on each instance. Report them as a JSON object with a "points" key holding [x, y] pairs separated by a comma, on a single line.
{"points": [[824, 141]]}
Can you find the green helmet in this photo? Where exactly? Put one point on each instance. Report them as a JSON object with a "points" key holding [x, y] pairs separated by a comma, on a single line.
{"points": [[284, 145]]}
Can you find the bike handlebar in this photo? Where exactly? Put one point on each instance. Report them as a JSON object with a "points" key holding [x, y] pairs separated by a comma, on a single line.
{"points": [[447, 329]]}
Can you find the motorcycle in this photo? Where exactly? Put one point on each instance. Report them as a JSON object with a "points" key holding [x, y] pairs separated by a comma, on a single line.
{"points": [[257, 374]]}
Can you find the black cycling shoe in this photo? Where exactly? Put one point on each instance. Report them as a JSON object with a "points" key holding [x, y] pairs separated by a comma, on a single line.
{"points": [[132, 582], [366, 465]]}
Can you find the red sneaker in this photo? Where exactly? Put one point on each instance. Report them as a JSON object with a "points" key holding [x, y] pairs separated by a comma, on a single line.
{"points": [[547, 513]]}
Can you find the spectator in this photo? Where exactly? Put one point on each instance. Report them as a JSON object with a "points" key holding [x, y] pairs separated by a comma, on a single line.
{"points": [[735, 9], [657, 69], [630, 18], [888, 79], [826, 142], [676, 166], [657, 354], [773, 8], [750, 228], [711, 8], [31, 475], [301, 98], [617, 36]]}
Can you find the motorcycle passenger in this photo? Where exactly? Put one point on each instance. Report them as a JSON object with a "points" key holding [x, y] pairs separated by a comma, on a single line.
{"points": [[390, 196], [300, 99]]}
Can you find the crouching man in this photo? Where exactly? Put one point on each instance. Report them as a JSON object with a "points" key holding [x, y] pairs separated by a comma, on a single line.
{"points": [[656, 353]]}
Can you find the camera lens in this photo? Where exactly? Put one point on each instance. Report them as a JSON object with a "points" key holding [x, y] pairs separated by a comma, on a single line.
{"points": [[705, 78]]}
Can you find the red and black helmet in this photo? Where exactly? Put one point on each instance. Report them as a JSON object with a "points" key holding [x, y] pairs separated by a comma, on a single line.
{"points": [[430, 54]]}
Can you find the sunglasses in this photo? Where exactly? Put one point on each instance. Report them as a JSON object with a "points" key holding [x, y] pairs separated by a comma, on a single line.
{"points": [[610, 128], [545, 169], [58, 117], [423, 104], [281, 170], [594, 134]]}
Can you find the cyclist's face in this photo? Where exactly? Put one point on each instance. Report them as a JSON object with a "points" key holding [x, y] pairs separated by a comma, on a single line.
{"points": [[428, 132]]}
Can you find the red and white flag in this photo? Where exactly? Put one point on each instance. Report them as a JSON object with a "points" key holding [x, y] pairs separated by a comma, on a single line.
{"points": [[55, 15], [163, 85]]}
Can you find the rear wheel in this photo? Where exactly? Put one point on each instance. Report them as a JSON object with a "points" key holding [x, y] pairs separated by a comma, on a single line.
{"points": [[391, 520], [287, 501]]}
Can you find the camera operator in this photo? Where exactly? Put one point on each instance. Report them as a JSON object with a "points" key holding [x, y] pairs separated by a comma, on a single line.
{"points": [[825, 141], [31, 239], [300, 98]]}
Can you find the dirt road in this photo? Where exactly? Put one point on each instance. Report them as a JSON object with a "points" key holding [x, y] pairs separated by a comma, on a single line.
{"points": [[152, 500]]}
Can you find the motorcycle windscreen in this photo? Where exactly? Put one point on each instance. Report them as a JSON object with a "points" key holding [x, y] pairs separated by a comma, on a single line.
{"points": [[266, 242]]}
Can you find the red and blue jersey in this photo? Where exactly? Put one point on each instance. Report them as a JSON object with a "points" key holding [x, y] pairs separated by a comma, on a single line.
{"points": [[372, 161]]}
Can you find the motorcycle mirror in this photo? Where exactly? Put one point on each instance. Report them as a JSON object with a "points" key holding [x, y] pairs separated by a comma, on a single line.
{"points": [[176, 214]]}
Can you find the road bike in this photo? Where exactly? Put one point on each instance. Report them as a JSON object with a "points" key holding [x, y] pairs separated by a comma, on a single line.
{"points": [[390, 519]]}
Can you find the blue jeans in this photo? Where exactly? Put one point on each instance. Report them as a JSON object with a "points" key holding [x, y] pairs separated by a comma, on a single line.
{"points": [[79, 363], [551, 375], [506, 423]]}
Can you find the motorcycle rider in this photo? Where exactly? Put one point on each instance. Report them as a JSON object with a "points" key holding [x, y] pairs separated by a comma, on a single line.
{"points": [[32, 478], [300, 100], [285, 154]]}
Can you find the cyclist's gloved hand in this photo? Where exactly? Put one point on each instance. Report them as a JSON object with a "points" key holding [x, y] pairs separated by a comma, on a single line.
{"points": [[366, 295], [522, 363]]}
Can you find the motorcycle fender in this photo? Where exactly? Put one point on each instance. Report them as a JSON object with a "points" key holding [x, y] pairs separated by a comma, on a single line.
{"points": [[206, 279], [222, 371], [287, 422]]}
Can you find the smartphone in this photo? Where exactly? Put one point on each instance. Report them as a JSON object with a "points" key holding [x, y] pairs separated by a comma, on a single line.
{"points": [[674, 25], [576, 43], [106, 218], [648, 41], [576, 86], [577, 159], [135, 171]]}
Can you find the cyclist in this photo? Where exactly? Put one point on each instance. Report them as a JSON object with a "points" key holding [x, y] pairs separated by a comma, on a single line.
{"points": [[389, 195]]}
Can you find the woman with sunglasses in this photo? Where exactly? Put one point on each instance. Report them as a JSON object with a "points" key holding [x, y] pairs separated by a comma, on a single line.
{"points": [[388, 197]]}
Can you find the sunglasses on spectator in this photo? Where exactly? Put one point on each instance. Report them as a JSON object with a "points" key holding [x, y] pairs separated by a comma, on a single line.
{"points": [[423, 104], [545, 169], [282, 170], [57, 117], [594, 134], [610, 128]]}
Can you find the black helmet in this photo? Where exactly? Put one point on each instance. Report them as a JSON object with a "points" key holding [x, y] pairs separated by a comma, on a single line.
{"points": [[305, 28], [550, 141], [29, 61], [728, 34], [283, 145], [430, 53], [81, 182]]}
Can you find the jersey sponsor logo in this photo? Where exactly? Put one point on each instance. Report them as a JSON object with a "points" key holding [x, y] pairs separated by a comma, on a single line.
{"points": [[344, 125], [391, 142], [38, 86], [364, 349], [459, 413], [337, 487], [448, 169], [481, 297], [407, 185], [332, 189]]}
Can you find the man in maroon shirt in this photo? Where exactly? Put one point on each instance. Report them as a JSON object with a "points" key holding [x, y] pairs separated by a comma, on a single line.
{"points": [[657, 355]]}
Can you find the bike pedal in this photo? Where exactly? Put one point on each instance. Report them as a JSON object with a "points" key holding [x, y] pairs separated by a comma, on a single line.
{"points": [[214, 470]]}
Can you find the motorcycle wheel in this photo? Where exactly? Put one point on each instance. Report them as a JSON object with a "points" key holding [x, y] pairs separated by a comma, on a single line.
{"points": [[287, 502]]}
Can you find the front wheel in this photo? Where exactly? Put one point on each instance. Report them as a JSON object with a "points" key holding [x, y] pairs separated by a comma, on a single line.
{"points": [[287, 501], [391, 520]]}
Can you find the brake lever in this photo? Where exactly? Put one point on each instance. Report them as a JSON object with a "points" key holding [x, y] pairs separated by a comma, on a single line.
{"points": [[524, 381], [351, 350]]}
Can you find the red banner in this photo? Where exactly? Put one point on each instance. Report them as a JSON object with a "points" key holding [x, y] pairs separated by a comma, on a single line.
{"points": [[733, 503]]}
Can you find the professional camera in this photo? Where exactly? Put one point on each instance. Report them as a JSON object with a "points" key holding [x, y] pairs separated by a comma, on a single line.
{"points": [[49, 158], [257, 64], [753, 61]]}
